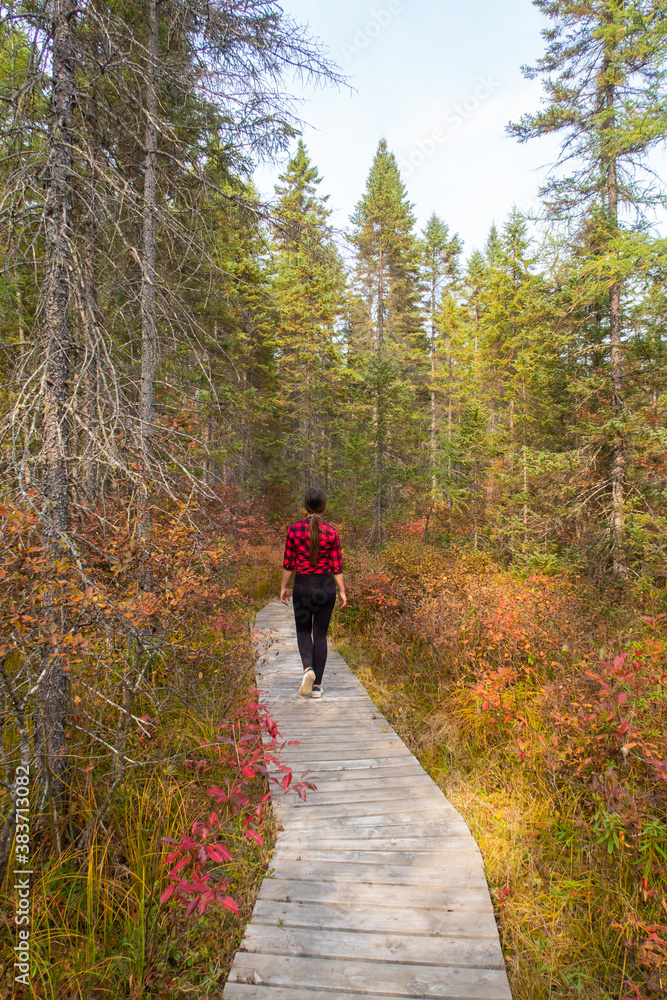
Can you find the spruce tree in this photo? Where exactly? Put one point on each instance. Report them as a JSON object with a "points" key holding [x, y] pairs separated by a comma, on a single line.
{"points": [[604, 79], [513, 336], [386, 328], [308, 291], [440, 255]]}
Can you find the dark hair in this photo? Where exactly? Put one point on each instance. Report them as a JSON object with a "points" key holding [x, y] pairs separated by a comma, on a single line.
{"points": [[315, 502]]}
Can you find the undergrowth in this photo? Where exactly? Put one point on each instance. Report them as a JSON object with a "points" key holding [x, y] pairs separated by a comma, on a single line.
{"points": [[146, 870], [538, 705]]}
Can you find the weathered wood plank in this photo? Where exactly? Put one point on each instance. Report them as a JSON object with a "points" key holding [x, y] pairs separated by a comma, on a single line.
{"points": [[463, 952], [402, 783], [318, 821], [432, 896], [377, 888], [437, 921], [339, 794], [384, 807], [322, 758], [248, 991], [392, 978], [432, 860], [453, 876], [412, 847]]}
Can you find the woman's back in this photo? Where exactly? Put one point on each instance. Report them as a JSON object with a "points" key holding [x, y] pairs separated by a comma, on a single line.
{"points": [[297, 549]]}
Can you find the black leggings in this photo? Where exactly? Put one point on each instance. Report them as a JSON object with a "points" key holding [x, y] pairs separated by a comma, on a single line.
{"points": [[313, 597]]}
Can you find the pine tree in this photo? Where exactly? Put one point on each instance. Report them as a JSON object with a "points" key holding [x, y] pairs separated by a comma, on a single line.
{"points": [[604, 78], [514, 333], [440, 255], [309, 290], [386, 328]]}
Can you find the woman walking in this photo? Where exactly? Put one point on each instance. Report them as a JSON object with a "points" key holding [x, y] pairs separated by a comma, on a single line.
{"points": [[312, 548]]}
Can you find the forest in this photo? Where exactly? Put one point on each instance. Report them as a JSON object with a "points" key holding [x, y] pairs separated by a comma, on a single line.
{"points": [[181, 358]]}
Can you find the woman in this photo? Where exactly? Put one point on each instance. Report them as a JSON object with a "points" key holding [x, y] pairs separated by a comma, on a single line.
{"points": [[312, 548]]}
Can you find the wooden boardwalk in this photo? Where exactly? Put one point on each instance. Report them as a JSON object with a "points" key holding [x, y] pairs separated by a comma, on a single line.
{"points": [[378, 887]]}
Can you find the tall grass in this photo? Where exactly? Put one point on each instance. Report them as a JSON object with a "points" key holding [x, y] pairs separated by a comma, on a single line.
{"points": [[571, 825], [98, 929]]}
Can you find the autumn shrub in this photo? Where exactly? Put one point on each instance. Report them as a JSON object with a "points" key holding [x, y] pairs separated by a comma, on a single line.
{"points": [[538, 703], [160, 709]]}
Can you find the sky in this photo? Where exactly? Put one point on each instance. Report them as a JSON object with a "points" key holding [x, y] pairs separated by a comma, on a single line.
{"points": [[440, 81]]}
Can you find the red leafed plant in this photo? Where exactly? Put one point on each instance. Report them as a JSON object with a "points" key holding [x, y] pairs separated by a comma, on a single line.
{"points": [[200, 872]]}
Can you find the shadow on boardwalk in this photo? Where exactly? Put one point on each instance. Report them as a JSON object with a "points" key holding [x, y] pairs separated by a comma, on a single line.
{"points": [[378, 888]]}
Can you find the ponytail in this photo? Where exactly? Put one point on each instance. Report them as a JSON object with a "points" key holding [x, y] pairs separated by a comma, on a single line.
{"points": [[315, 503], [314, 536]]}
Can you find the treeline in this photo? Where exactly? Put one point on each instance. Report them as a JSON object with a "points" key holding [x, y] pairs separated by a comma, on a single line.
{"points": [[179, 359], [162, 323], [172, 342]]}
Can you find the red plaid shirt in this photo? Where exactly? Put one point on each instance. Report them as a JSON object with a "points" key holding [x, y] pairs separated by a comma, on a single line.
{"points": [[297, 549]]}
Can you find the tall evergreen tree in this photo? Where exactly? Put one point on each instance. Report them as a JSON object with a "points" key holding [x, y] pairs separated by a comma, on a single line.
{"points": [[440, 255], [604, 78], [309, 288], [514, 333], [386, 329]]}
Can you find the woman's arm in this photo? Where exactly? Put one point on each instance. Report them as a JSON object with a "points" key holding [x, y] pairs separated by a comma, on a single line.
{"points": [[284, 595], [338, 577]]}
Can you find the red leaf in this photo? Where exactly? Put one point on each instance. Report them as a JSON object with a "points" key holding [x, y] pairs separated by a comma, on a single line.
{"points": [[218, 852], [179, 864], [204, 900], [168, 892], [229, 904], [248, 771], [300, 789], [253, 835]]}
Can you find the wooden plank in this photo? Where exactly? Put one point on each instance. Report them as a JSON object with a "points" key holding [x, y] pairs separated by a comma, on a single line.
{"points": [[336, 840], [433, 896], [379, 807], [387, 753], [392, 978], [352, 738], [464, 952], [423, 847], [320, 820], [452, 876], [334, 773], [340, 791], [402, 783], [360, 763], [365, 917], [248, 991], [433, 860], [377, 888]]}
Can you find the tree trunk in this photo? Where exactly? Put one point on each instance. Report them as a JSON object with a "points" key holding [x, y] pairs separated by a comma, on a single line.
{"points": [[52, 694], [618, 457], [449, 420], [433, 422], [474, 506], [148, 304], [380, 419], [524, 455], [90, 374]]}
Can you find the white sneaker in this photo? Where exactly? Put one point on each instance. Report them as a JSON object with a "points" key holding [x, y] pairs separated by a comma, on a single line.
{"points": [[317, 693], [307, 683]]}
